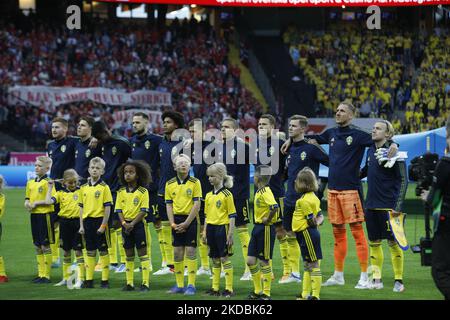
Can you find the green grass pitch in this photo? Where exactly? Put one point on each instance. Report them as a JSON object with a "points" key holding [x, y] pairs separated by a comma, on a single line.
{"points": [[18, 252]]}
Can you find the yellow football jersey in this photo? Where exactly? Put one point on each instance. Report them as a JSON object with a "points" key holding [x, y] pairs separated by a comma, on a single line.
{"points": [[36, 190], [307, 204], [131, 203], [264, 201], [2, 205], [94, 198], [68, 203], [182, 194], [219, 207]]}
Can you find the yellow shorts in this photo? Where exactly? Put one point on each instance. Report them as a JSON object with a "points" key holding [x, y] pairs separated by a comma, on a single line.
{"points": [[344, 207]]}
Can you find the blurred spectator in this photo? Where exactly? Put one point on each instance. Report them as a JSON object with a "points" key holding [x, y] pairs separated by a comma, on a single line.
{"points": [[189, 60], [5, 156]]}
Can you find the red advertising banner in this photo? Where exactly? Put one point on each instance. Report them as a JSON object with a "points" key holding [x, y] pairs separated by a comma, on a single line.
{"points": [[292, 3], [24, 158]]}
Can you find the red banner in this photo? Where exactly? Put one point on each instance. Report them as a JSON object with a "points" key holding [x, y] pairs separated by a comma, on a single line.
{"points": [[292, 3]]}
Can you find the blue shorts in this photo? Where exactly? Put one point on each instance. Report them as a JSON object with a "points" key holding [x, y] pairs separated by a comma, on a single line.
{"points": [[161, 215], [153, 206], [201, 213], [242, 211], [113, 216], [279, 214], [42, 229], [287, 217], [187, 238], [94, 240], [309, 241], [216, 237], [377, 224], [137, 238], [261, 242], [68, 234]]}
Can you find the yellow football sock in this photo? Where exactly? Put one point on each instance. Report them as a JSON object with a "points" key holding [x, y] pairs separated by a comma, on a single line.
{"points": [[316, 282], [216, 275], [294, 254], [55, 246], [130, 270], [105, 267], [267, 279], [179, 273], [85, 255], [148, 237], [168, 248], [112, 250], [145, 265], [90, 267], [123, 256], [2, 267], [306, 284], [256, 276], [397, 260], [47, 264], [81, 268], [160, 235], [67, 262], [192, 269], [203, 252], [376, 259], [244, 238], [228, 269], [41, 265], [284, 252]]}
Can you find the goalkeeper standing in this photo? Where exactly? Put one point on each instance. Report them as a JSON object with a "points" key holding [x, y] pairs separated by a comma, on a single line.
{"points": [[385, 196]]}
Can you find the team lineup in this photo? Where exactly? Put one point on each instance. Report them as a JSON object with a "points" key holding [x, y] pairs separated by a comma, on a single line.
{"points": [[105, 192]]}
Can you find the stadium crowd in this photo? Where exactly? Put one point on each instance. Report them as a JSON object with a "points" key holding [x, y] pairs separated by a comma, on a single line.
{"points": [[379, 72], [187, 59]]}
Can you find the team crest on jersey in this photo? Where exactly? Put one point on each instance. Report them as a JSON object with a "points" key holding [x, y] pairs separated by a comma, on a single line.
{"points": [[160, 152], [97, 194], [218, 204], [332, 142], [303, 155], [189, 192], [76, 154], [349, 140], [75, 197], [233, 153], [147, 144], [114, 150], [40, 189], [136, 201], [63, 148], [88, 153]]}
